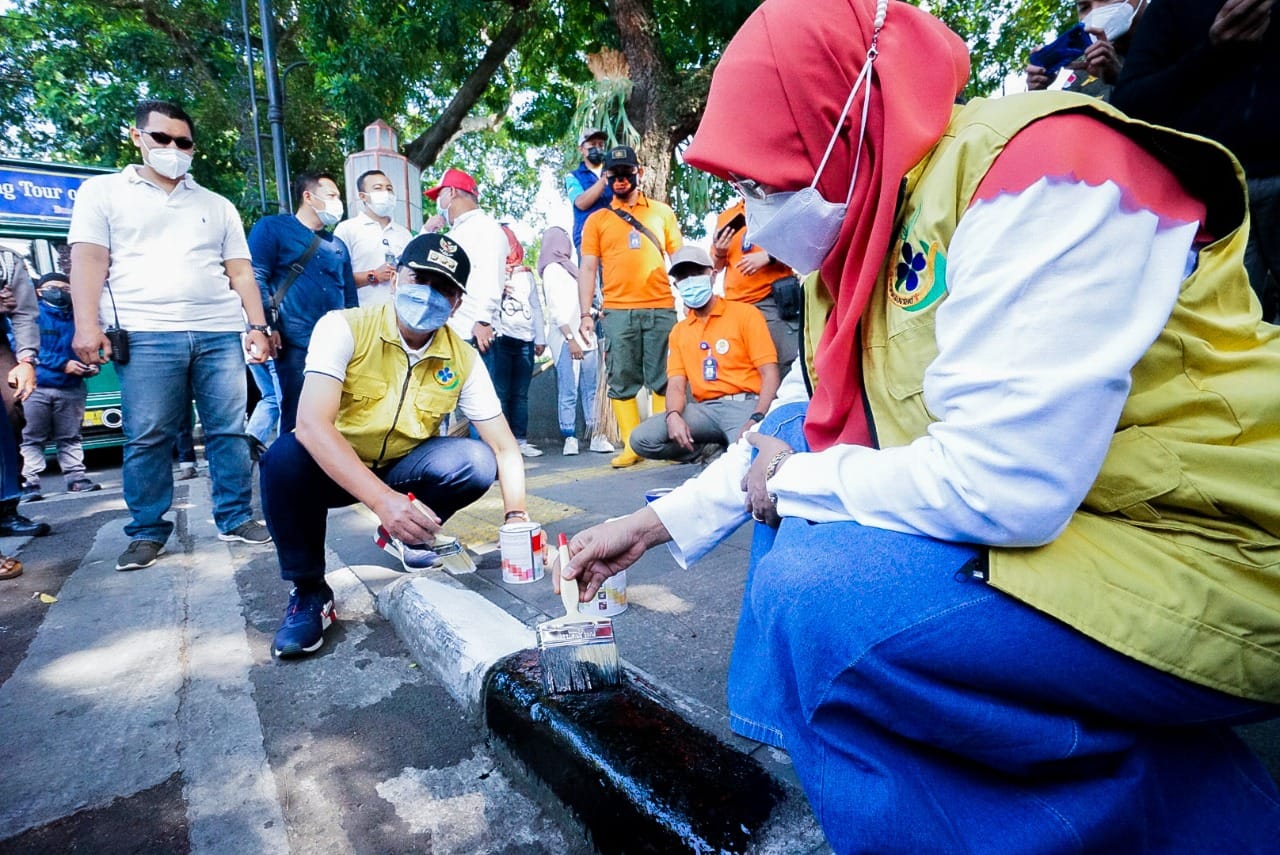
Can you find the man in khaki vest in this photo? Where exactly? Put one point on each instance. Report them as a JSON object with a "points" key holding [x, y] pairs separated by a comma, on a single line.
{"points": [[379, 381]]}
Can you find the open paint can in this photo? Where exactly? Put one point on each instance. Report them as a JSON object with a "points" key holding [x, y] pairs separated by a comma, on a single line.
{"points": [[610, 600], [521, 545], [654, 495]]}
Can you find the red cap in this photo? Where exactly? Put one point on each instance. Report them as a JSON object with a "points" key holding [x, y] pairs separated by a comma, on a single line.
{"points": [[457, 179]]}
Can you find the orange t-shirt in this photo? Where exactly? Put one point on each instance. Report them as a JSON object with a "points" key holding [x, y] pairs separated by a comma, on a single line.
{"points": [[739, 286], [633, 270], [735, 336]]}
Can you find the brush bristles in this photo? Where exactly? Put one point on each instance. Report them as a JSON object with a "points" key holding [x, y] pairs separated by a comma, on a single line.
{"points": [[582, 668], [579, 656]]}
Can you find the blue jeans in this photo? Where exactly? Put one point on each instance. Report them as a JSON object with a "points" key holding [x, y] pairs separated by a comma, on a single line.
{"points": [[266, 414], [445, 473], [10, 465], [512, 369], [925, 711], [574, 377], [290, 362], [165, 370]]}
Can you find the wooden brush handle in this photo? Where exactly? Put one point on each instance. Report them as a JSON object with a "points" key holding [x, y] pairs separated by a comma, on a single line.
{"points": [[569, 594]]}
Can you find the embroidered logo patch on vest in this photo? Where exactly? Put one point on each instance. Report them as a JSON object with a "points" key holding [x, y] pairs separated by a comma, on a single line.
{"points": [[921, 275], [447, 378]]}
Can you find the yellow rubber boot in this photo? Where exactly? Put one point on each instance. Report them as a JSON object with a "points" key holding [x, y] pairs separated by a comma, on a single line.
{"points": [[627, 413], [657, 404]]}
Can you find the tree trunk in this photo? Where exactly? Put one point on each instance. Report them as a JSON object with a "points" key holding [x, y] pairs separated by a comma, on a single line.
{"points": [[646, 108], [423, 151]]}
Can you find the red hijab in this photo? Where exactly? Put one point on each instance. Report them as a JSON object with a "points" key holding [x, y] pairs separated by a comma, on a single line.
{"points": [[794, 62]]}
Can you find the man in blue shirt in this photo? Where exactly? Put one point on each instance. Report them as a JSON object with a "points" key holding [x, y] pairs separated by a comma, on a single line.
{"points": [[586, 186], [300, 282]]}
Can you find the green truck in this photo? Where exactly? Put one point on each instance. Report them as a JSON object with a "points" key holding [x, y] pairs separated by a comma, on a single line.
{"points": [[35, 213]]}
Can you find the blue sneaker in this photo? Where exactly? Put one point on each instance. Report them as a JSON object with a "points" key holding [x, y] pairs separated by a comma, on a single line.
{"points": [[420, 557], [305, 620]]}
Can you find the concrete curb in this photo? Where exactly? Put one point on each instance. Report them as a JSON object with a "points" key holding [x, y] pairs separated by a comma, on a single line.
{"points": [[631, 766]]}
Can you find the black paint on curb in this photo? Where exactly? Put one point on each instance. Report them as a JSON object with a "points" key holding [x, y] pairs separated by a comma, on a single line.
{"points": [[636, 774]]}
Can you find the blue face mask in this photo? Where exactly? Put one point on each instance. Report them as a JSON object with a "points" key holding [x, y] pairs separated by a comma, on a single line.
{"points": [[422, 308], [695, 291]]}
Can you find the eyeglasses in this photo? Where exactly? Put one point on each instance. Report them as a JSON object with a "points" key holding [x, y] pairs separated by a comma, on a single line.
{"points": [[622, 176], [747, 188], [184, 143]]}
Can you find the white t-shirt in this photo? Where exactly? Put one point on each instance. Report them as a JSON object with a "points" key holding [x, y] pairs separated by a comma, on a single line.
{"points": [[1036, 342], [563, 308], [167, 251], [371, 245], [485, 244], [333, 344]]}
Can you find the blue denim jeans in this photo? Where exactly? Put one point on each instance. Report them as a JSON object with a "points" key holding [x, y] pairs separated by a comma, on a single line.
{"points": [[512, 369], [290, 362], [445, 473], [925, 711], [165, 371], [576, 378], [10, 465], [266, 414]]}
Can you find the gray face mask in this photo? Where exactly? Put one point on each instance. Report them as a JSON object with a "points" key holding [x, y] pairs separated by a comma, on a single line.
{"points": [[799, 228]]}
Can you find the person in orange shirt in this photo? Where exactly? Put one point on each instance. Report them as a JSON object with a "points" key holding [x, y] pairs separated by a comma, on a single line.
{"points": [[722, 370], [627, 244], [749, 277]]}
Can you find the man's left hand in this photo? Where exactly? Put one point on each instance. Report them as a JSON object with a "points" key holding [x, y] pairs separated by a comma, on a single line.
{"points": [[753, 261], [258, 346], [759, 505], [22, 377], [1101, 59]]}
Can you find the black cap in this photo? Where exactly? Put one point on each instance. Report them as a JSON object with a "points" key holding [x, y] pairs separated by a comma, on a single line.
{"points": [[621, 155], [438, 254], [55, 276]]}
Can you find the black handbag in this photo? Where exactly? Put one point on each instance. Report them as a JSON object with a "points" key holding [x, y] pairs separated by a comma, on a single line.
{"points": [[788, 297]]}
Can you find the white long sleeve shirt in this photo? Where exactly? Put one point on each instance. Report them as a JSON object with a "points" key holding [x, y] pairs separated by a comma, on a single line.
{"points": [[1054, 294], [485, 244]]}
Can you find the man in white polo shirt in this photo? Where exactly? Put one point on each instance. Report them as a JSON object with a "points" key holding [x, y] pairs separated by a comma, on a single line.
{"points": [[181, 285], [374, 239]]}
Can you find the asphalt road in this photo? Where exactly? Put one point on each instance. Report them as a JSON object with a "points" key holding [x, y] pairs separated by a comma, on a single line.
{"points": [[143, 712]]}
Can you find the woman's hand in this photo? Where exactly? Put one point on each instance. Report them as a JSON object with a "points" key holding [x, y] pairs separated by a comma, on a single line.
{"points": [[609, 548], [759, 505]]}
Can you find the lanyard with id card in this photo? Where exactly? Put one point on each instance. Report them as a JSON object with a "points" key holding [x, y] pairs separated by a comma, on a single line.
{"points": [[710, 367], [633, 240]]}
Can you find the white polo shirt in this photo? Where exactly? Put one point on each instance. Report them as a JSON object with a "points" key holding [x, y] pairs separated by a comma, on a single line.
{"points": [[485, 244], [167, 251], [371, 245]]}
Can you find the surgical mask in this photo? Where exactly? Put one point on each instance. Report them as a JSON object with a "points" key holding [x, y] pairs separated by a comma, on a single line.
{"points": [[381, 203], [799, 228], [1114, 19], [331, 213], [595, 156], [695, 291], [422, 308], [444, 207], [169, 162], [58, 298]]}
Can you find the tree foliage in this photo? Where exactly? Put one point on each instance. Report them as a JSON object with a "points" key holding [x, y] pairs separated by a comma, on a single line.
{"points": [[441, 71]]}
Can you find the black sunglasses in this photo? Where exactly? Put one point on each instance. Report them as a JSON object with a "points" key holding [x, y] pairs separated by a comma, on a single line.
{"points": [[622, 176], [184, 143]]}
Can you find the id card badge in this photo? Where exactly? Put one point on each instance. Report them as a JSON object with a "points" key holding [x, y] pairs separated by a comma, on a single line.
{"points": [[710, 368], [634, 240]]}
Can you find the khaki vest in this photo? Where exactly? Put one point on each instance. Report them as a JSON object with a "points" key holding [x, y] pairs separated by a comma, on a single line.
{"points": [[387, 410], [1174, 557]]}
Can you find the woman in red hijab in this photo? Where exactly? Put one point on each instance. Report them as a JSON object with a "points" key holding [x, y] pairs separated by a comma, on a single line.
{"points": [[1016, 563]]}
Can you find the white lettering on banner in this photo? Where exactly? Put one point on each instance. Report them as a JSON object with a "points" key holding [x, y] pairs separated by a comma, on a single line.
{"points": [[32, 190], [8, 191]]}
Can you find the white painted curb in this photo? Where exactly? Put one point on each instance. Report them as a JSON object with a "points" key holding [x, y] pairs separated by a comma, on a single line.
{"points": [[453, 630]]}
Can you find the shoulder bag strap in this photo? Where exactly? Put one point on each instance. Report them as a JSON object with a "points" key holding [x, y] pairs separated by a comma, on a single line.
{"points": [[295, 270], [640, 227]]}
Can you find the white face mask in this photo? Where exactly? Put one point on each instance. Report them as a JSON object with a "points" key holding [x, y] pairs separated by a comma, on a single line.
{"points": [[443, 203], [799, 228], [381, 203], [1114, 19], [169, 162], [331, 214]]}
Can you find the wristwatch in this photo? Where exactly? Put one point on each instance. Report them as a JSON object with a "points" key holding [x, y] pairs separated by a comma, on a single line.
{"points": [[756, 417], [265, 329], [373, 279]]}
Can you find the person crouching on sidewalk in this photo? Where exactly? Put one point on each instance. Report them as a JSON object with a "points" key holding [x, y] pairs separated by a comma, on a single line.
{"points": [[378, 382], [55, 410]]}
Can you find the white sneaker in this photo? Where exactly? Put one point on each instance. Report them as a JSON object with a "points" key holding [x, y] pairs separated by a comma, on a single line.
{"points": [[529, 451], [602, 445], [570, 445]]}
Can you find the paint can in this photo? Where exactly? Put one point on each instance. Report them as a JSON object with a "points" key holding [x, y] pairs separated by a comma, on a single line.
{"points": [[610, 600], [521, 544], [653, 495]]}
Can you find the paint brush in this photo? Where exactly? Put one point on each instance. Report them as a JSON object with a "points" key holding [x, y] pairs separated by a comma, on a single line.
{"points": [[449, 552], [578, 654]]}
